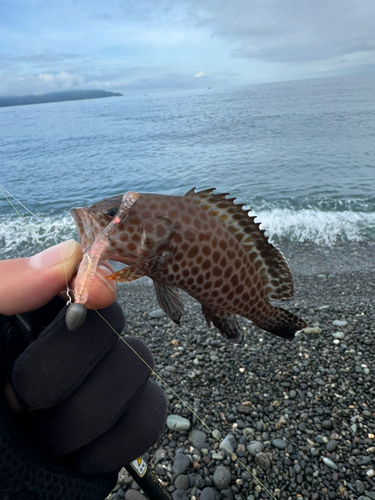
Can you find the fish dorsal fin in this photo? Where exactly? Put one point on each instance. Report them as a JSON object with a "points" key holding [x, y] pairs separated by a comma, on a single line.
{"points": [[269, 261]]}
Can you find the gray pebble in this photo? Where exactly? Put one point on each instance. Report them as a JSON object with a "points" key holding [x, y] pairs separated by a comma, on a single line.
{"points": [[134, 495], [262, 461], [338, 322], [182, 482], [255, 447], [179, 495], [331, 445], [180, 463], [228, 444], [209, 494], [158, 313], [279, 444], [222, 477], [177, 423], [197, 437], [330, 464], [327, 424]]}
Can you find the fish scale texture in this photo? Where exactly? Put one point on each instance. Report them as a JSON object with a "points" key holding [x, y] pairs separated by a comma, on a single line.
{"points": [[27, 474]]}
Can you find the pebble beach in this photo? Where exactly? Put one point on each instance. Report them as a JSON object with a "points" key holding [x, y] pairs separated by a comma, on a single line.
{"points": [[299, 416]]}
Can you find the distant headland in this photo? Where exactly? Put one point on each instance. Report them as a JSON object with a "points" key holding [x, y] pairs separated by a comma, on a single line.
{"points": [[68, 95]]}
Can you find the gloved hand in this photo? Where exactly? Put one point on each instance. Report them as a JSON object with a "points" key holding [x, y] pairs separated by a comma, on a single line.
{"points": [[87, 405]]}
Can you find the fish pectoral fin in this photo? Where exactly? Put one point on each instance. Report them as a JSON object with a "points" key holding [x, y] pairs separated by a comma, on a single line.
{"points": [[169, 301], [130, 273], [226, 323]]}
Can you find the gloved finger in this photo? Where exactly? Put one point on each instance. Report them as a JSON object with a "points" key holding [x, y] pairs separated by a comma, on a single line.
{"points": [[132, 435], [56, 363], [107, 392]]}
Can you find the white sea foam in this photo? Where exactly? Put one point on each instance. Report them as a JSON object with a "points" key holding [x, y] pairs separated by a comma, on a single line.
{"points": [[21, 237], [308, 225]]}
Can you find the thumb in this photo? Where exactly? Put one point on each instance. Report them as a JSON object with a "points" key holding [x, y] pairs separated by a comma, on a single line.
{"points": [[29, 283]]}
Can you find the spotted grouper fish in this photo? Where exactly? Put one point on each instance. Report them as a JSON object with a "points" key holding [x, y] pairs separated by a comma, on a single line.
{"points": [[201, 243]]}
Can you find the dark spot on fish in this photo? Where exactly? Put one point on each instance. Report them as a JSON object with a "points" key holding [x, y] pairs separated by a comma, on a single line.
{"points": [[216, 271], [231, 254], [239, 289], [175, 268], [134, 221], [123, 238], [223, 261], [183, 263], [197, 223], [199, 259], [200, 279], [195, 270], [179, 256], [214, 293], [121, 226], [170, 277], [246, 296], [136, 237], [219, 231], [228, 272], [207, 275], [206, 264], [185, 273], [148, 227], [191, 210], [212, 223], [234, 280], [206, 250], [130, 229], [173, 214], [230, 295], [216, 256], [218, 282], [185, 219], [181, 282], [177, 277], [237, 263], [131, 247], [190, 281], [193, 251], [207, 285], [223, 245]]}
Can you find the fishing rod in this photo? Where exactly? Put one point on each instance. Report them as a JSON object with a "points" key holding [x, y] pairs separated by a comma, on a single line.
{"points": [[147, 480]]}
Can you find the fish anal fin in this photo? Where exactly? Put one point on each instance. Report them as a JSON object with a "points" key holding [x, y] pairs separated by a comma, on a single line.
{"points": [[169, 301], [226, 323], [276, 275], [129, 273]]}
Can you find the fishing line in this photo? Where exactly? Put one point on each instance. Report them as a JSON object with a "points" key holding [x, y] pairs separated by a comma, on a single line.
{"points": [[233, 456]]}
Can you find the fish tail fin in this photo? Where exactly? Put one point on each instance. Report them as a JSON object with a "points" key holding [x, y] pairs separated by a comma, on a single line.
{"points": [[283, 323]]}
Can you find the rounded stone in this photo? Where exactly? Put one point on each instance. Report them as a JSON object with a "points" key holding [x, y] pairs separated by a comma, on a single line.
{"points": [[262, 461], [221, 478], [179, 495], [209, 494], [180, 463], [255, 447], [228, 444], [197, 438], [182, 482], [327, 424], [331, 445], [280, 444], [329, 463], [134, 495], [177, 423]]}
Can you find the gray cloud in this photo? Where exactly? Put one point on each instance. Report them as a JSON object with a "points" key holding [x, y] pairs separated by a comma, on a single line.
{"points": [[290, 30]]}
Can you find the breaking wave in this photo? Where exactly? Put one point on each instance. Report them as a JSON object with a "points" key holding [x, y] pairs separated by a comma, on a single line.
{"points": [[22, 237]]}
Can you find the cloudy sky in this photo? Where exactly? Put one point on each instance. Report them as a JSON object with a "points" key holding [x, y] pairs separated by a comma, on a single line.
{"points": [[150, 45]]}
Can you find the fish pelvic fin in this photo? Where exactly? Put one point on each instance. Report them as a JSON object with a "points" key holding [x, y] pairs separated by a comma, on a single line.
{"points": [[129, 273], [283, 323], [169, 301], [270, 263], [226, 323]]}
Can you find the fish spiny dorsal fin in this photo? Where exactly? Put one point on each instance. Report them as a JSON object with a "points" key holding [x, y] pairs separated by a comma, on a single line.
{"points": [[269, 261]]}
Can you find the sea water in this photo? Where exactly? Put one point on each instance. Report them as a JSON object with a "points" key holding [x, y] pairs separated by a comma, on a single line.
{"points": [[300, 155]]}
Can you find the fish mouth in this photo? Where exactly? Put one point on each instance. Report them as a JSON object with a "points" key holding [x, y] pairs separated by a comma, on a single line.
{"points": [[87, 227]]}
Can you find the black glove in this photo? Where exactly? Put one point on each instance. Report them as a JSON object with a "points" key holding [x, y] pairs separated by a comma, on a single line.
{"points": [[86, 400]]}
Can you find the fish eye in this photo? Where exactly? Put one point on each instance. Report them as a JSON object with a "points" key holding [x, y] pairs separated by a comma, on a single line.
{"points": [[111, 212]]}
